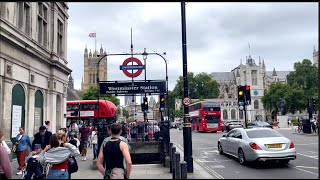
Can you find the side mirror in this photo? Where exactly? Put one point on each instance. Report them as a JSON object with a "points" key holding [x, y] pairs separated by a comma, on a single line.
{"points": [[240, 137], [224, 135]]}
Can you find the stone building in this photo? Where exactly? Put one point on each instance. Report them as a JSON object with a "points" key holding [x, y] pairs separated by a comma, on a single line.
{"points": [[90, 68], [252, 74], [33, 65]]}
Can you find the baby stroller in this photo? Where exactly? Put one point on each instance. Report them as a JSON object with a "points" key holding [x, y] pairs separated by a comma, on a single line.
{"points": [[34, 170]]}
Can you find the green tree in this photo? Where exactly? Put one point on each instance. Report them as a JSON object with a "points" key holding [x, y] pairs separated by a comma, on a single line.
{"points": [[201, 86], [92, 93], [304, 76], [277, 91]]}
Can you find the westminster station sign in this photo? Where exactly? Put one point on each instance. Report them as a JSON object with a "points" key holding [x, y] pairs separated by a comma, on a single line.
{"points": [[129, 87]]}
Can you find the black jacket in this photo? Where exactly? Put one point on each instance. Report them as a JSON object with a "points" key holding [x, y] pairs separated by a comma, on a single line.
{"points": [[38, 139]]}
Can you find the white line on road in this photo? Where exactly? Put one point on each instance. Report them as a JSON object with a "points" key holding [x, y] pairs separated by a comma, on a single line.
{"points": [[313, 157], [304, 170], [206, 148], [213, 161], [305, 144], [307, 167]]}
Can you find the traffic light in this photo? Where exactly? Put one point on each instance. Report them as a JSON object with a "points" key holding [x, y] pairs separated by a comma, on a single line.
{"points": [[248, 95], [240, 94], [162, 102], [312, 104], [145, 104]]}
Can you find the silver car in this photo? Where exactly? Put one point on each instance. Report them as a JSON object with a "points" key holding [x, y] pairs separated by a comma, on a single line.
{"points": [[257, 144]]}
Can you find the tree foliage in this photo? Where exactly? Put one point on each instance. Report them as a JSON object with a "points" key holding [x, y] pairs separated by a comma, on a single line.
{"points": [[302, 83], [92, 93], [201, 86]]}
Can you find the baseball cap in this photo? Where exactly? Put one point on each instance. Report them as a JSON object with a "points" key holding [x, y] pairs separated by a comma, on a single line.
{"points": [[42, 128], [37, 146]]}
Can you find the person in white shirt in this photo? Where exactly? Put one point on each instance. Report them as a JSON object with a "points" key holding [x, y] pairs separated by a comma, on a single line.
{"points": [[94, 140]]}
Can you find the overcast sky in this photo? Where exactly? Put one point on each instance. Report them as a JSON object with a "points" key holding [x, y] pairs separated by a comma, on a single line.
{"points": [[217, 35]]}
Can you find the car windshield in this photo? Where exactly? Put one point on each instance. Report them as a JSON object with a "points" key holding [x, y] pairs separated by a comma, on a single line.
{"points": [[263, 133]]}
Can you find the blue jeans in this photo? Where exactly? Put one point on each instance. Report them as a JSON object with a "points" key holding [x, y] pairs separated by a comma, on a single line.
{"points": [[95, 151], [58, 174]]}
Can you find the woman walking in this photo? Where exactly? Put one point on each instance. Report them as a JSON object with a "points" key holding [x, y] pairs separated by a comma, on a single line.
{"points": [[95, 142], [57, 154], [22, 142], [5, 167]]}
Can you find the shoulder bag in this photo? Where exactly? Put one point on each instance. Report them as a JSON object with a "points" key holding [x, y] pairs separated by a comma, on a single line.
{"points": [[72, 165]]}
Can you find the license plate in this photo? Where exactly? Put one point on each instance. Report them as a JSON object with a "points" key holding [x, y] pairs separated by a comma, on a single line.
{"points": [[212, 125], [274, 145]]}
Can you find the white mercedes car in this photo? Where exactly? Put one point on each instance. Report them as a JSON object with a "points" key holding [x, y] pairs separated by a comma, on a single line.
{"points": [[257, 144]]}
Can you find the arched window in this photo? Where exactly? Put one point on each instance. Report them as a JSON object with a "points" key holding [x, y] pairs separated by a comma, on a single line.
{"points": [[256, 104], [233, 114], [240, 114], [225, 114], [38, 110]]}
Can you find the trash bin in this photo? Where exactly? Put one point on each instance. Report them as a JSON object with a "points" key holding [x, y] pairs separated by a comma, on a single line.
{"points": [[306, 127]]}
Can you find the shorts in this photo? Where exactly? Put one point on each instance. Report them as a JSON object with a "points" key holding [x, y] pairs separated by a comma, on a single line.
{"points": [[85, 143]]}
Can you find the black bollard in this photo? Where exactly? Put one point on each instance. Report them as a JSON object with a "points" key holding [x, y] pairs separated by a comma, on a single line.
{"points": [[177, 163], [170, 155], [184, 172], [173, 165]]}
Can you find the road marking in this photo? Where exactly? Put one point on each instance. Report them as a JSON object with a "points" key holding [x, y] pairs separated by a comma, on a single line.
{"points": [[207, 148], [217, 166], [210, 171], [304, 170], [211, 152], [305, 144], [214, 161], [307, 167], [313, 157]]}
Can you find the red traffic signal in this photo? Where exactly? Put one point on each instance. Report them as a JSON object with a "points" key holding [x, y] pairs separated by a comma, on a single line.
{"points": [[248, 88]]}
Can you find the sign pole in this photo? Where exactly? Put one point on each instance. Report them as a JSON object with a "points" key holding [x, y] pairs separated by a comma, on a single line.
{"points": [[187, 138]]}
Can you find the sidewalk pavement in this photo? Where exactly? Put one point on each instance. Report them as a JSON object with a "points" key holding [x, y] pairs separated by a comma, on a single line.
{"points": [[139, 171]]}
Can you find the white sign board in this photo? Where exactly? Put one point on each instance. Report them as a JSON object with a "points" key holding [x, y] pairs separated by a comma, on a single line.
{"points": [[16, 120], [86, 113]]}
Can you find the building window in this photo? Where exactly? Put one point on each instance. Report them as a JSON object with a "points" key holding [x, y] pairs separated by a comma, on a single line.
{"points": [[225, 114], [245, 77], [254, 77], [90, 78], [240, 114], [54, 85], [60, 38], [2, 9], [233, 114], [256, 104], [94, 78], [24, 18], [42, 24]]}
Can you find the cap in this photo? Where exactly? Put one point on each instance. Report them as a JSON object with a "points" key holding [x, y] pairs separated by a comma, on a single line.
{"points": [[41, 128], [37, 146]]}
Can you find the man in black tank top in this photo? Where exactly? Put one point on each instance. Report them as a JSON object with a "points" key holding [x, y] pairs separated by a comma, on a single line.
{"points": [[112, 153]]}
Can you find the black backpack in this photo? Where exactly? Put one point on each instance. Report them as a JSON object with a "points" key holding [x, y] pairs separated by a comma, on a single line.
{"points": [[72, 165]]}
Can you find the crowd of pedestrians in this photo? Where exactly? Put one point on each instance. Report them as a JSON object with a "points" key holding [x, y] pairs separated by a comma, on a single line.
{"points": [[52, 151]]}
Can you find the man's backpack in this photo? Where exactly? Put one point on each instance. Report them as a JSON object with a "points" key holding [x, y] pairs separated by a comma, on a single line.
{"points": [[72, 165]]}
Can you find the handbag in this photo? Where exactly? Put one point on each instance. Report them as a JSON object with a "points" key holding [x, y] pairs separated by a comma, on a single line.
{"points": [[15, 146], [72, 165]]}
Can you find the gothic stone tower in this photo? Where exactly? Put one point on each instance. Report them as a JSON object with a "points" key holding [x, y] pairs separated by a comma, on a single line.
{"points": [[90, 68]]}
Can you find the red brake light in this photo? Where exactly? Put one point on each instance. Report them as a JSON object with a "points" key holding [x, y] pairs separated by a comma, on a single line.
{"points": [[291, 145], [254, 146]]}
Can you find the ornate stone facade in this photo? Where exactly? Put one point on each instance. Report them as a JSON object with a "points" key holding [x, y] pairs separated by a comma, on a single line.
{"points": [[33, 65], [90, 68]]}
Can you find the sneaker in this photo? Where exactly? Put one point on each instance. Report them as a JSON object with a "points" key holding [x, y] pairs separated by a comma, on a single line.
{"points": [[85, 159], [19, 172]]}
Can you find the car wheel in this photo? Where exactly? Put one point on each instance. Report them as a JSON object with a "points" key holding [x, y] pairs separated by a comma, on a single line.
{"points": [[241, 156], [284, 161], [220, 148]]}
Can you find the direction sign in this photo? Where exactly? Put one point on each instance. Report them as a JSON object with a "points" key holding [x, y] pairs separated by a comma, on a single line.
{"points": [[129, 87], [126, 62], [186, 101]]}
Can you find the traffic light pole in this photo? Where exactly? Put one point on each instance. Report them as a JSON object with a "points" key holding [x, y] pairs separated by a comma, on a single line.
{"points": [[245, 112]]}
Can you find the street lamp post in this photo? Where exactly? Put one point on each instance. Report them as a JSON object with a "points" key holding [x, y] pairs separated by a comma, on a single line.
{"points": [[187, 138]]}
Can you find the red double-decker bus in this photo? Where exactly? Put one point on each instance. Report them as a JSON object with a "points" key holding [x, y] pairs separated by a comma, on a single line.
{"points": [[206, 116], [88, 111]]}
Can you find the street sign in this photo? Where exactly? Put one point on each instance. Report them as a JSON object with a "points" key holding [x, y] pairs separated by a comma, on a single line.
{"points": [[125, 70], [186, 101], [135, 115], [129, 87], [132, 67]]}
